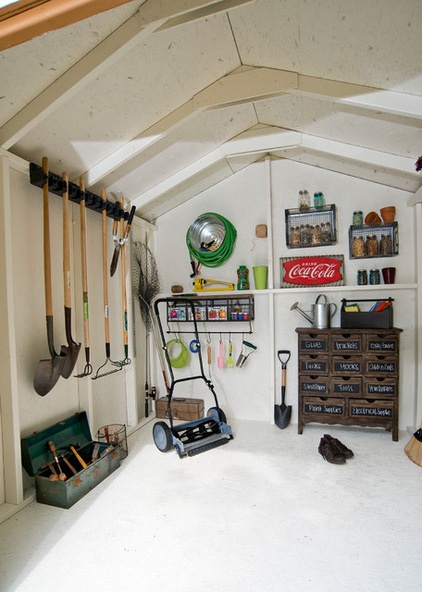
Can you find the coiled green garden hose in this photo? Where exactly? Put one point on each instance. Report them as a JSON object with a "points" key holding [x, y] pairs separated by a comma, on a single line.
{"points": [[208, 256]]}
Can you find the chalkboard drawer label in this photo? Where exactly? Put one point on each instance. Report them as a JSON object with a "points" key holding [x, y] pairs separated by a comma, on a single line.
{"points": [[313, 384], [346, 365], [348, 344], [375, 343], [313, 364], [364, 408], [313, 344], [381, 365], [324, 406], [347, 386], [380, 386]]}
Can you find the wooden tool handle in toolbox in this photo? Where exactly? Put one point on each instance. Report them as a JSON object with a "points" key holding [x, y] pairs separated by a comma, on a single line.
{"points": [[79, 457], [69, 464]]}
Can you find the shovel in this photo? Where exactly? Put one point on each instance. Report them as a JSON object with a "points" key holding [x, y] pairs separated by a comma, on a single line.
{"points": [[88, 366], [283, 412], [48, 371], [72, 349]]}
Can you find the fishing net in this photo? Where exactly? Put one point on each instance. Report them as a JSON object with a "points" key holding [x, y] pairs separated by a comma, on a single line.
{"points": [[145, 280]]}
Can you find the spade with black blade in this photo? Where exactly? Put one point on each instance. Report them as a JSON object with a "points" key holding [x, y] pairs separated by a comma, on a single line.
{"points": [[48, 371], [283, 412], [71, 351]]}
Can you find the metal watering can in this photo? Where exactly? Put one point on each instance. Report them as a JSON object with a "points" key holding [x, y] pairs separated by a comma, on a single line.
{"points": [[321, 312]]}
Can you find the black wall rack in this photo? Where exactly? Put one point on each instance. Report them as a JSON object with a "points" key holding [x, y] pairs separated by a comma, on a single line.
{"points": [[92, 201]]}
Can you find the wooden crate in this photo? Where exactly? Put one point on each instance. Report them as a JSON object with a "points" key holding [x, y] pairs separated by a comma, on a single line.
{"points": [[181, 408]]}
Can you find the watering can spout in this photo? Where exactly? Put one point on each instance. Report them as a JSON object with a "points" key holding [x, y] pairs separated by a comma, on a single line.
{"points": [[295, 306]]}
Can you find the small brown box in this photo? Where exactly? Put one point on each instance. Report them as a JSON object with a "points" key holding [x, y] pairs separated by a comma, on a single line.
{"points": [[261, 231], [181, 408]]}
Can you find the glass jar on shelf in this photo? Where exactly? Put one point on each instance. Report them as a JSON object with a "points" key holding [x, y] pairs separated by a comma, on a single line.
{"points": [[316, 235], [362, 277], [304, 200], [294, 237], [371, 246], [358, 218], [305, 236], [386, 245], [243, 278], [358, 247], [374, 277]]}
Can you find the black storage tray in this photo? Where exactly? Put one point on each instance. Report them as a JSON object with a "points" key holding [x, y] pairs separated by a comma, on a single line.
{"points": [[368, 319]]}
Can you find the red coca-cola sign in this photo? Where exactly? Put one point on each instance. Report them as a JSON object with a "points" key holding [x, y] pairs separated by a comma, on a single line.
{"points": [[312, 271]]}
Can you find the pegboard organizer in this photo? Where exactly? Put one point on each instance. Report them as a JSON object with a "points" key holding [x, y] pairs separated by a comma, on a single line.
{"points": [[92, 201]]}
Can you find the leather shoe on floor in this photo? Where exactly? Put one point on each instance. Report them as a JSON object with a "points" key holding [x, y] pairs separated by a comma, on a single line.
{"points": [[338, 446], [329, 453]]}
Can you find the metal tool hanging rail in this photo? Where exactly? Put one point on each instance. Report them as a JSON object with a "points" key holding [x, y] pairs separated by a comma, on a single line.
{"points": [[92, 201]]}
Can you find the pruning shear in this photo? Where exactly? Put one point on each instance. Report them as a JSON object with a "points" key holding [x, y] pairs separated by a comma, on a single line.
{"points": [[119, 242]]}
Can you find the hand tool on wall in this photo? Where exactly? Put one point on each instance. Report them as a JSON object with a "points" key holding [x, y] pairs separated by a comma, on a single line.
{"points": [[220, 359], [48, 371], [230, 361], [87, 342], [247, 350], [126, 359], [283, 412], [117, 365], [119, 243], [72, 347], [203, 285], [52, 447]]}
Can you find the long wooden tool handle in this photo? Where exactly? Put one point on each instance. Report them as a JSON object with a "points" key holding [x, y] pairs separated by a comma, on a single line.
{"points": [[66, 255], [105, 279], [69, 464], [84, 265], [124, 297], [79, 457], [47, 261], [53, 451]]}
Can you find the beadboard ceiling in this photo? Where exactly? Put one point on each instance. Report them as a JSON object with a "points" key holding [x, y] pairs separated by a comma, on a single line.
{"points": [[159, 99]]}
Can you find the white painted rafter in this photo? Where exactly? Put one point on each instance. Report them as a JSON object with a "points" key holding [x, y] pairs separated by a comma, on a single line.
{"points": [[252, 84], [263, 140], [242, 85], [148, 19], [374, 99]]}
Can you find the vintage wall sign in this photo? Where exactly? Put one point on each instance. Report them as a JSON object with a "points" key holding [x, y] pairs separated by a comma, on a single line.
{"points": [[299, 272]]}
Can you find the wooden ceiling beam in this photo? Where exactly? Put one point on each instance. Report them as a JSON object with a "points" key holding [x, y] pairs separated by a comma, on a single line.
{"points": [[26, 19]]}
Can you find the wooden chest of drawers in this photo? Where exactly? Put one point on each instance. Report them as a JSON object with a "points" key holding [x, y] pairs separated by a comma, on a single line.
{"points": [[349, 377]]}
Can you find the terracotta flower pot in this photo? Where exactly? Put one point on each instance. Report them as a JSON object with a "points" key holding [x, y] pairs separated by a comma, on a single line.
{"points": [[388, 213], [372, 218]]}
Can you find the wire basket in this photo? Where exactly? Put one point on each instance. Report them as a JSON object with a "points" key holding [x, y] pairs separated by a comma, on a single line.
{"points": [[114, 433]]}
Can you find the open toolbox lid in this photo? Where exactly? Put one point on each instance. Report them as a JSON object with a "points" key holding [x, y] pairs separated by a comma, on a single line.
{"points": [[71, 431]]}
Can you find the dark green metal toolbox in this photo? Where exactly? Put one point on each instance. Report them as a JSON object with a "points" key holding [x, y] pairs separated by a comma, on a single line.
{"points": [[65, 461]]}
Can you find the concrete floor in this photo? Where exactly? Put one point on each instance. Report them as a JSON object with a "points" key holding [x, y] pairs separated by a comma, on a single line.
{"points": [[263, 513]]}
